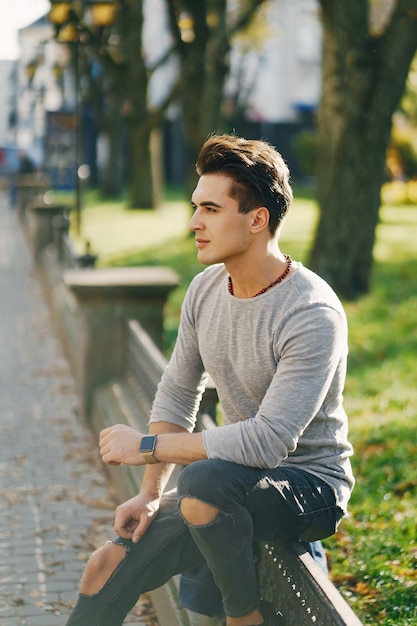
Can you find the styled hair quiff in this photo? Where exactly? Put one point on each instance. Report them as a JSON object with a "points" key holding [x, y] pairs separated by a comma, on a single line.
{"points": [[259, 175]]}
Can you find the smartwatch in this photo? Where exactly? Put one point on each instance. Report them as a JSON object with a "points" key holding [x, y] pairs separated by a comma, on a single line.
{"points": [[147, 448]]}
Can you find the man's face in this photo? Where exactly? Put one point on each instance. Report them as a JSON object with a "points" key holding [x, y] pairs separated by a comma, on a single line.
{"points": [[222, 234]]}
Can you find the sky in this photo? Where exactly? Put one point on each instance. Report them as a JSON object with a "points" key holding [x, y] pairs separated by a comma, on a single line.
{"points": [[15, 14]]}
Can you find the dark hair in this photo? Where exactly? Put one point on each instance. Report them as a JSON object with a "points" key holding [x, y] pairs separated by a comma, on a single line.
{"points": [[259, 175]]}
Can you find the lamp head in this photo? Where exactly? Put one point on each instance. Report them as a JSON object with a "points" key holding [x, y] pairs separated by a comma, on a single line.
{"points": [[102, 12]]}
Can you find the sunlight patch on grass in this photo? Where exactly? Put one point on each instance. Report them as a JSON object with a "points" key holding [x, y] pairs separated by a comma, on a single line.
{"points": [[113, 230], [298, 228], [396, 234]]}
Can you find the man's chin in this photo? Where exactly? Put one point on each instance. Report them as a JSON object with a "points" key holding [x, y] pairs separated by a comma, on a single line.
{"points": [[204, 260]]}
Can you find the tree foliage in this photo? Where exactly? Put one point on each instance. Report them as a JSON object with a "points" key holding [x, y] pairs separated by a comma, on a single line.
{"points": [[201, 34]]}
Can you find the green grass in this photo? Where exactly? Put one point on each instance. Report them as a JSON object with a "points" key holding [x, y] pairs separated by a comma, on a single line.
{"points": [[114, 230], [373, 557]]}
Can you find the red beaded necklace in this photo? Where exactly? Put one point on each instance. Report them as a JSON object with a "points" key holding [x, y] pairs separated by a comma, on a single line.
{"points": [[275, 282]]}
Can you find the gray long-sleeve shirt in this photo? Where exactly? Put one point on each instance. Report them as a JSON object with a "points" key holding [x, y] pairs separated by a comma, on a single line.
{"points": [[278, 362]]}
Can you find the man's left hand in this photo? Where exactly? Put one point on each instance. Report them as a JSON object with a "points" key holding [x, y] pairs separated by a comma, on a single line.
{"points": [[119, 445]]}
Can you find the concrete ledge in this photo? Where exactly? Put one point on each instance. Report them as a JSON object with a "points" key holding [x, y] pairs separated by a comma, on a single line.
{"points": [[106, 299], [125, 279]]}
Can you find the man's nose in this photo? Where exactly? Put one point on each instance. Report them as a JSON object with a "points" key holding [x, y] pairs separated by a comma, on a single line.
{"points": [[195, 221]]}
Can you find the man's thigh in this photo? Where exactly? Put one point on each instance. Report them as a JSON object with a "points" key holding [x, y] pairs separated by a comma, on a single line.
{"points": [[284, 503], [292, 504]]}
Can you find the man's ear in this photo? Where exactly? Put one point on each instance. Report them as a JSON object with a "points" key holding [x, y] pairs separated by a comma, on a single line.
{"points": [[260, 219]]}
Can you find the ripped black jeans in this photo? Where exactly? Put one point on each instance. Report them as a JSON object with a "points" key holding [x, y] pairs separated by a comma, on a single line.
{"points": [[255, 504]]}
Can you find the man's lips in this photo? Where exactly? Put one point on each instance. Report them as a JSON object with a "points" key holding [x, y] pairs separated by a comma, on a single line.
{"points": [[200, 243]]}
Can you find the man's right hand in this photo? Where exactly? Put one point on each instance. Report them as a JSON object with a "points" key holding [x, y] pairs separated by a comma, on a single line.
{"points": [[133, 518]]}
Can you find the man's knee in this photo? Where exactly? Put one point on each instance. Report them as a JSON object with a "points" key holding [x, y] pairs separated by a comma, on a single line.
{"points": [[100, 567], [196, 512]]}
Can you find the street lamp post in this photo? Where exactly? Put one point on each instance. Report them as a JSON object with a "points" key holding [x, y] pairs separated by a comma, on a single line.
{"points": [[68, 19]]}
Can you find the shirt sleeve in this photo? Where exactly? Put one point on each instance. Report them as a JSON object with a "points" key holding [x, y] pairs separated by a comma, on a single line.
{"points": [[305, 388], [182, 385]]}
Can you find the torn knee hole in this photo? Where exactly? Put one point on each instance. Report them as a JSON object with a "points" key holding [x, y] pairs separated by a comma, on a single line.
{"points": [[197, 512], [100, 567]]}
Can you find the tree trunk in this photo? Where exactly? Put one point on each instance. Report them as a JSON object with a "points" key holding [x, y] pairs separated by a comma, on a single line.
{"points": [[204, 62], [111, 181], [141, 191], [193, 78], [363, 80], [141, 184]]}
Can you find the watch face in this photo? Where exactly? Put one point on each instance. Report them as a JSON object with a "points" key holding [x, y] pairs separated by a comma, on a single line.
{"points": [[147, 444]]}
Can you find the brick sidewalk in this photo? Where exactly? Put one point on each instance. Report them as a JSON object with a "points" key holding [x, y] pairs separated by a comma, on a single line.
{"points": [[55, 500]]}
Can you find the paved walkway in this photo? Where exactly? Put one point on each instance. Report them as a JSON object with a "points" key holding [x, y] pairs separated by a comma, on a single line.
{"points": [[55, 500]]}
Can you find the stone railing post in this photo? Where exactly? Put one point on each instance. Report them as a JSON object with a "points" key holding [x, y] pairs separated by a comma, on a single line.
{"points": [[107, 298], [60, 227], [29, 187], [40, 224]]}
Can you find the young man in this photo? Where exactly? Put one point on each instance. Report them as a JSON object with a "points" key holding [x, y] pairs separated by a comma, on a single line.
{"points": [[273, 337]]}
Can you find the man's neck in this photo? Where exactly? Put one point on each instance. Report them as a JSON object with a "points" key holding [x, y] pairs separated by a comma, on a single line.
{"points": [[248, 278]]}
